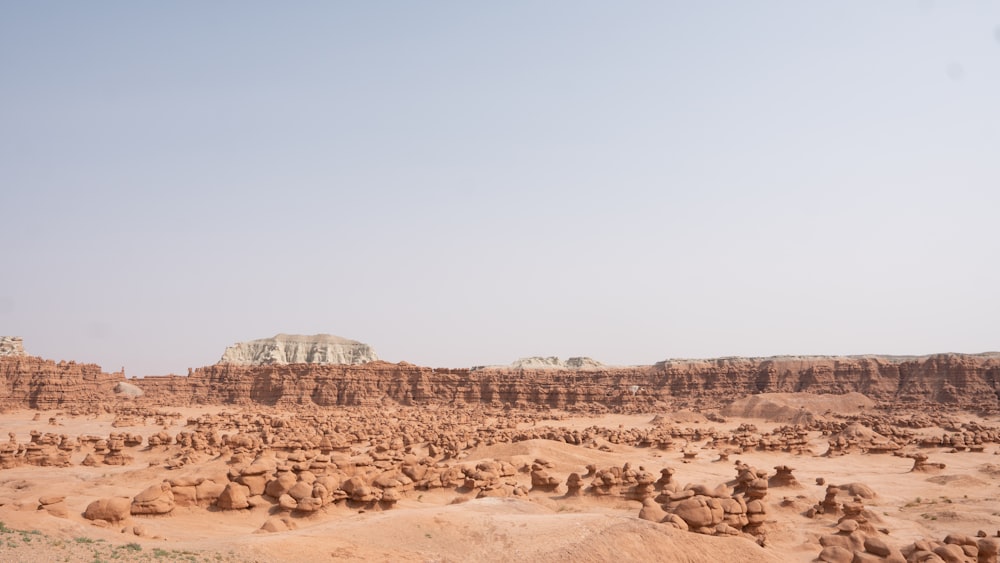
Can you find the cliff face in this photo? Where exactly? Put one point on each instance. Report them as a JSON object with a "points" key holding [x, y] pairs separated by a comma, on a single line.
{"points": [[962, 381], [376, 383], [30, 382], [298, 349]]}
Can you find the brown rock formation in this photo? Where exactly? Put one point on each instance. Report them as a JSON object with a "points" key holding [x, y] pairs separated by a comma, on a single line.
{"points": [[30, 382], [964, 381], [969, 382]]}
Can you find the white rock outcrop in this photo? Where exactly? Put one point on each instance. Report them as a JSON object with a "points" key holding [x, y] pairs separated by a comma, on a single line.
{"points": [[552, 362], [299, 349], [128, 390], [11, 346]]}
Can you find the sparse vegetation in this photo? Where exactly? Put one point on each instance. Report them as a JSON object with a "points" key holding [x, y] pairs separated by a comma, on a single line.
{"points": [[94, 550]]}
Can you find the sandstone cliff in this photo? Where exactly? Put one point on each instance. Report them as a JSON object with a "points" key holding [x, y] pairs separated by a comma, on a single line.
{"points": [[966, 381], [955, 380], [30, 382], [298, 349]]}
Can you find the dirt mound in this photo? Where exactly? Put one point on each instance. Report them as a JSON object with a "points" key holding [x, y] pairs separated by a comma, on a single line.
{"points": [[493, 529], [958, 480], [796, 408], [683, 416]]}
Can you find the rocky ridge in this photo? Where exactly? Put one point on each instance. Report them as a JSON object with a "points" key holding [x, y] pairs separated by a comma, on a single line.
{"points": [[298, 349], [30, 382], [960, 381]]}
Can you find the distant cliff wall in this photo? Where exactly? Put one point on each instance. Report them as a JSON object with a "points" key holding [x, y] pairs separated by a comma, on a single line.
{"points": [[954, 380], [299, 349], [30, 382], [962, 381]]}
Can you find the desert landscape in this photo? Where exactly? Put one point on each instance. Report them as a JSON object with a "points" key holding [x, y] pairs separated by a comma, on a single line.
{"points": [[613, 282], [308, 448]]}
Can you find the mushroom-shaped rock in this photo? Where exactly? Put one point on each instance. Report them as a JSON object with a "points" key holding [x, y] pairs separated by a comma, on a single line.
{"points": [[783, 477], [921, 465], [155, 499], [112, 510], [665, 482]]}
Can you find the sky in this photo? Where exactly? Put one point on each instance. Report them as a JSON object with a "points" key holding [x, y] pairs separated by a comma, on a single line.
{"points": [[468, 183]]}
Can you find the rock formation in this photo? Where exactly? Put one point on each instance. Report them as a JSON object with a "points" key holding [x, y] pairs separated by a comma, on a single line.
{"points": [[552, 362], [535, 363], [298, 349], [11, 346], [30, 382], [329, 371], [969, 382]]}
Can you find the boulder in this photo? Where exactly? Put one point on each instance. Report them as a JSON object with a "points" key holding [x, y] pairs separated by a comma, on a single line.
{"points": [[156, 499], [113, 510], [700, 512], [233, 497]]}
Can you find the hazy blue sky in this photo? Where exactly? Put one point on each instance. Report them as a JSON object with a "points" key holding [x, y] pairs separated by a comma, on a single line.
{"points": [[462, 183]]}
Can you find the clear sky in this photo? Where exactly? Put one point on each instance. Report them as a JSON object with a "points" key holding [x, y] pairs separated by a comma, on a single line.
{"points": [[463, 183]]}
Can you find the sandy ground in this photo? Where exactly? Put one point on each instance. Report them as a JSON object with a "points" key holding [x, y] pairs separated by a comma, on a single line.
{"points": [[444, 525]]}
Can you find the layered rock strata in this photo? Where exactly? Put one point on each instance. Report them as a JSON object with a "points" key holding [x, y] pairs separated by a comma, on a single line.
{"points": [[962, 381], [298, 349], [30, 382]]}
